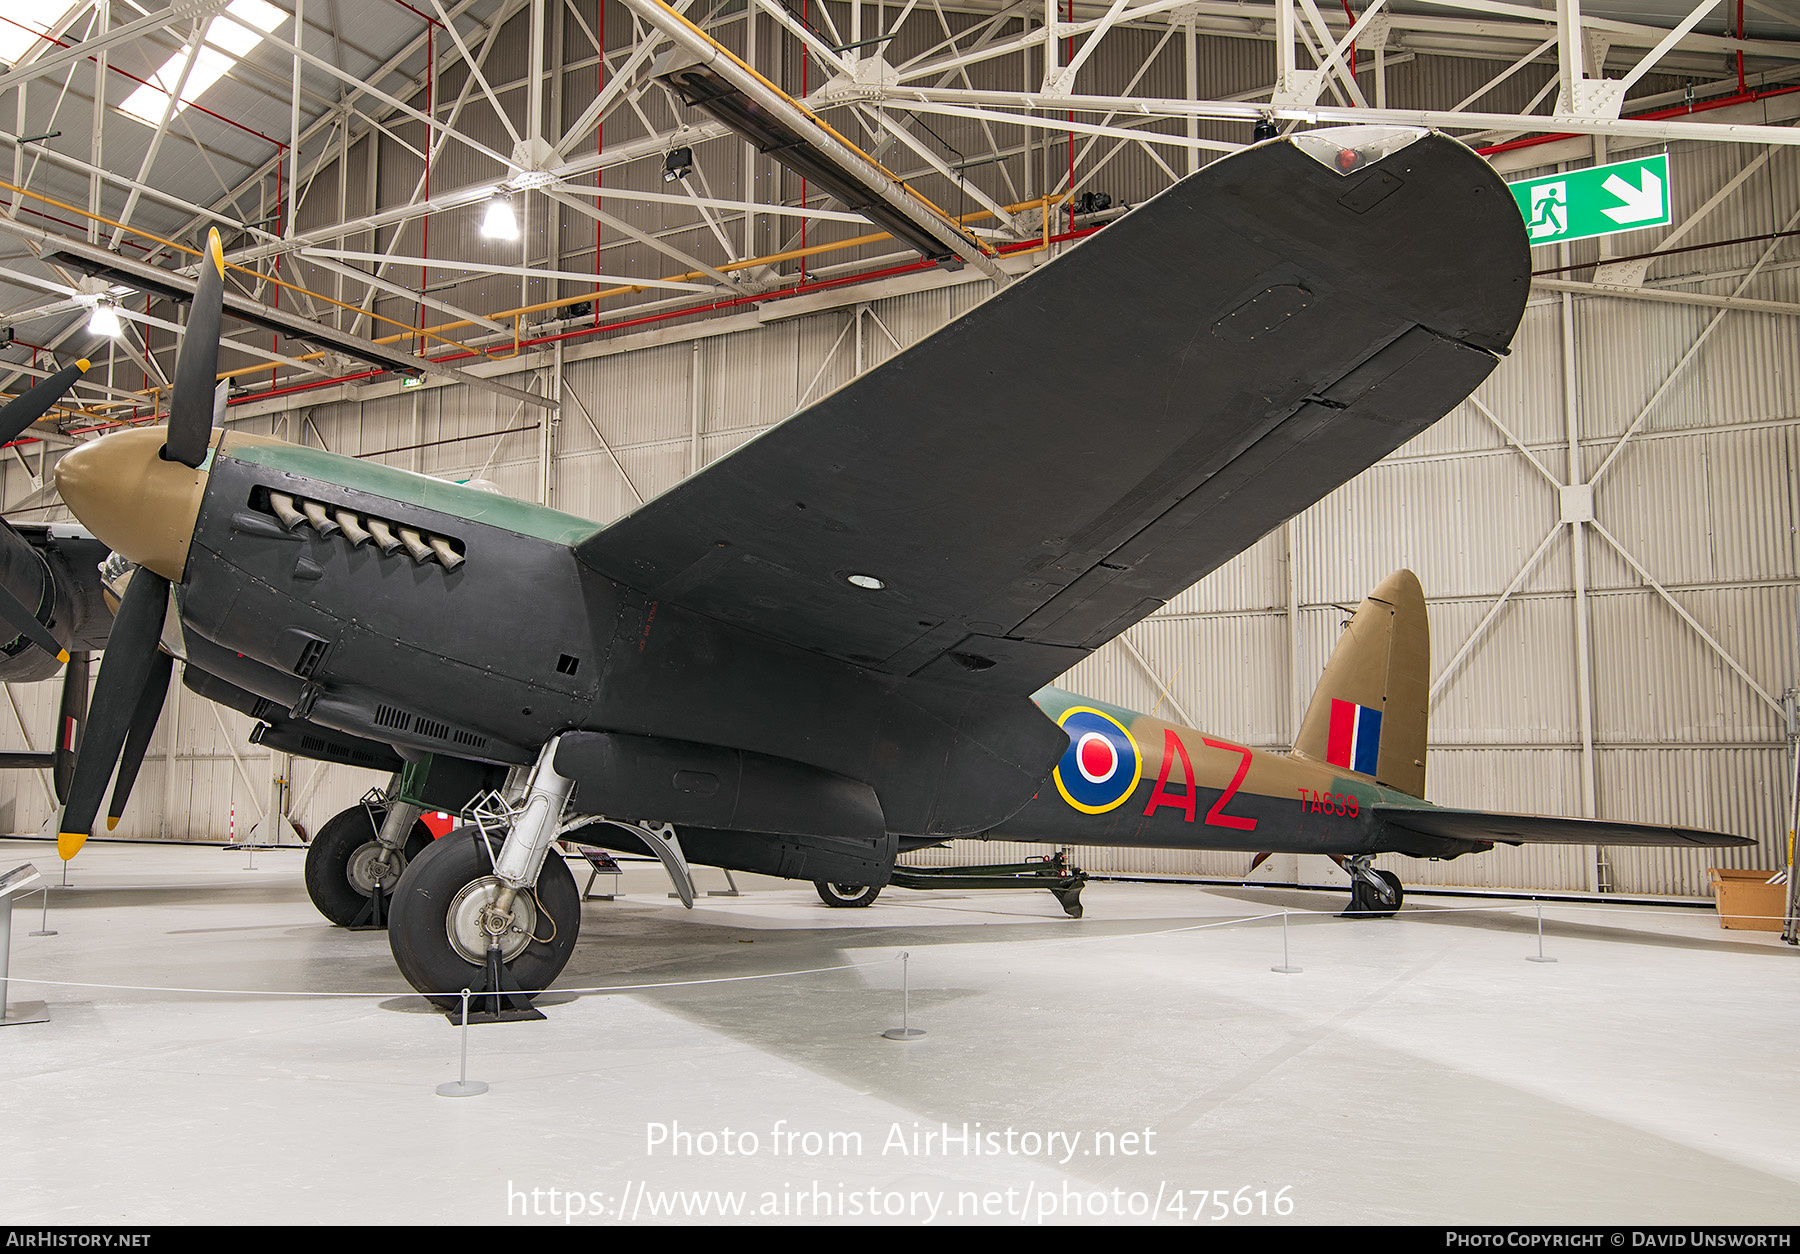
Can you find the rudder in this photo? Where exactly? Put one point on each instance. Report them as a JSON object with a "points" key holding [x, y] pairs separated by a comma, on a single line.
{"points": [[1368, 713]]}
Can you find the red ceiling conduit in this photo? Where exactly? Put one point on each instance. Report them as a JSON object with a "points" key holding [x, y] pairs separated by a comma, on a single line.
{"points": [[1656, 115]]}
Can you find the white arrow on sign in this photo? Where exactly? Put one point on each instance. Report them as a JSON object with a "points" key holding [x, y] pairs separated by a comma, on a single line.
{"points": [[1641, 203]]}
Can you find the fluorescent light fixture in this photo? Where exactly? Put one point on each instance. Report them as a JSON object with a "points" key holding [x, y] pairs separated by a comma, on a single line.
{"points": [[500, 222], [224, 43], [105, 320]]}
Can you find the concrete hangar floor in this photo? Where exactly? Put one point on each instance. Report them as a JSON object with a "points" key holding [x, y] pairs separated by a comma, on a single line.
{"points": [[1142, 1062]]}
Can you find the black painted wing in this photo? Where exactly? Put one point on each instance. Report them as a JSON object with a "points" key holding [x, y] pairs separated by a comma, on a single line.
{"points": [[1040, 474]]}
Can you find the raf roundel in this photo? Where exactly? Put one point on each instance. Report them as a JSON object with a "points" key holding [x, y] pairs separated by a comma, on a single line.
{"points": [[1100, 767]]}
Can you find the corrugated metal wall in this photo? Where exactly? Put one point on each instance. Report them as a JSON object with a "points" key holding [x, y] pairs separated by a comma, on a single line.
{"points": [[1703, 496]]}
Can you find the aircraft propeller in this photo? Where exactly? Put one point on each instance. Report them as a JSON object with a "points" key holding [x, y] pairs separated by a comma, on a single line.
{"points": [[18, 414], [134, 673]]}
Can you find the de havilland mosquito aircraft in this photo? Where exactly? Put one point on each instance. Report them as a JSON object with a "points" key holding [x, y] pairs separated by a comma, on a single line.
{"points": [[832, 645], [58, 589]]}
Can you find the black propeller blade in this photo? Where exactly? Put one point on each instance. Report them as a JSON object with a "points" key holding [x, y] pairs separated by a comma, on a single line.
{"points": [[71, 717], [197, 368], [134, 674], [143, 725], [23, 621], [22, 411], [125, 671]]}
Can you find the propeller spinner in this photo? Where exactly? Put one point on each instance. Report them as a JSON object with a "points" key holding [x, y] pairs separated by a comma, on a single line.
{"points": [[140, 492]]}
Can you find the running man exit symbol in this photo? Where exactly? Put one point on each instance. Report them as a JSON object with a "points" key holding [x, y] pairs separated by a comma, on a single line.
{"points": [[1549, 210], [1600, 200]]}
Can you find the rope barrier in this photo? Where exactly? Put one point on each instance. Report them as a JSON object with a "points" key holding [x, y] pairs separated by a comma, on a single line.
{"points": [[598, 990]]}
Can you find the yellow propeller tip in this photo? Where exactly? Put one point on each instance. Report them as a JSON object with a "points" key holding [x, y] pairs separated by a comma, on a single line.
{"points": [[68, 844], [111, 822], [217, 250], [85, 365], [62, 655]]}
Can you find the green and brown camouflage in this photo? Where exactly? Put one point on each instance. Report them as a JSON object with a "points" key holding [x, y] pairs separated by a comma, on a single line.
{"points": [[1134, 779]]}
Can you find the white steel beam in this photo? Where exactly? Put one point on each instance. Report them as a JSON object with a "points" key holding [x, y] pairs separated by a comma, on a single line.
{"points": [[170, 104], [1674, 37], [325, 261], [180, 11], [713, 202], [474, 68], [483, 267], [650, 241], [1693, 351], [1681, 610], [1227, 110]]}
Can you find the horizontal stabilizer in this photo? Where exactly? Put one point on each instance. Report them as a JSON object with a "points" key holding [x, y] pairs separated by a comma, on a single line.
{"points": [[1530, 829]]}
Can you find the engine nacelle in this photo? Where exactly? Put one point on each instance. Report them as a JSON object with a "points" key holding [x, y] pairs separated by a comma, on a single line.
{"points": [[52, 569]]}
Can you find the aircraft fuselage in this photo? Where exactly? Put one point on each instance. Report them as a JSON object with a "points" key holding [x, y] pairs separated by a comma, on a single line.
{"points": [[487, 658]]}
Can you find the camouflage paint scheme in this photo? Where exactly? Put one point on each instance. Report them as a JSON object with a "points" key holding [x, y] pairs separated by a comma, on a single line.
{"points": [[1198, 791]]}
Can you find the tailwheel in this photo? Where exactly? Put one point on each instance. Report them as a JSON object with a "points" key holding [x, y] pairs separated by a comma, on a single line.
{"points": [[1368, 901], [344, 866], [447, 916], [846, 895]]}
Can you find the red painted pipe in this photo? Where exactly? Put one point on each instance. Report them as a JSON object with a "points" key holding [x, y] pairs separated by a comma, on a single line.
{"points": [[1655, 115]]}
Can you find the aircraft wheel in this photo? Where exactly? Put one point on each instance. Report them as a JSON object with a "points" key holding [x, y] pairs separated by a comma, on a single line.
{"points": [[846, 894], [436, 926], [1393, 881], [1367, 903], [340, 874]]}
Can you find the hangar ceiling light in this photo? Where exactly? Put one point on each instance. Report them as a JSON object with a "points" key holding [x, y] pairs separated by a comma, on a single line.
{"points": [[499, 223], [147, 103], [105, 319]]}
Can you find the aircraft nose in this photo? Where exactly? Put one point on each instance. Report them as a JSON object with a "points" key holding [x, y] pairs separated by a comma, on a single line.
{"points": [[138, 504]]}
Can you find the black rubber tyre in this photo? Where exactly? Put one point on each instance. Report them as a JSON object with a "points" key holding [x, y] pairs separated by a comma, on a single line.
{"points": [[1365, 904], [1393, 881], [418, 930], [328, 880], [846, 895]]}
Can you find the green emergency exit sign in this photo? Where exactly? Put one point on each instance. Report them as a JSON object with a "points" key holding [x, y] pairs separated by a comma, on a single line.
{"points": [[1601, 200]]}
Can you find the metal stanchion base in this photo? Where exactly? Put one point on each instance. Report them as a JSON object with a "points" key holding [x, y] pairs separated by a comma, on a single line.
{"points": [[49, 932], [461, 1088], [1288, 970], [24, 1012], [1531, 959], [904, 1034]]}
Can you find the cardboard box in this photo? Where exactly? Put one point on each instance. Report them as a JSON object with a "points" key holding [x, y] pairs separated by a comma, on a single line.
{"points": [[1745, 899]]}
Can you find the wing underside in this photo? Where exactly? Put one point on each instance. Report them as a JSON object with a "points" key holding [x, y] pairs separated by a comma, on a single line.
{"points": [[1043, 472]]}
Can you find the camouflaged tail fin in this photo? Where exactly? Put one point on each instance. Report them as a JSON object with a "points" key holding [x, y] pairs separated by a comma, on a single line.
{"points": [[1368, 713]]}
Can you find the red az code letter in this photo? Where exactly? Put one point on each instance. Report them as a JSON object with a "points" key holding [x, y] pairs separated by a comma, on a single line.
{"points": [[1215, 816]]}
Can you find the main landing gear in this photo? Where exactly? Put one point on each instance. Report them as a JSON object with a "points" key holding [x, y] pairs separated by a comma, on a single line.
{"points": [[355, 862], [1373, 894], [846, 895], [486, 909]]}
